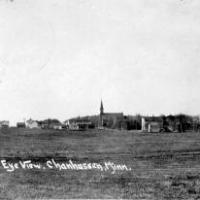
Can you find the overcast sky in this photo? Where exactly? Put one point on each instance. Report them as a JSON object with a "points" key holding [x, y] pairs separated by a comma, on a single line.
{"points": [[58, 58]]}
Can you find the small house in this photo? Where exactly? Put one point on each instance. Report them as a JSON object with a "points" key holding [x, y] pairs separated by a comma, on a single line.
{"points": [[56, 126], [151, 125], [73, 126], [32, 124], [50, 124], [4, 124], [78, 124], [154, 127]]}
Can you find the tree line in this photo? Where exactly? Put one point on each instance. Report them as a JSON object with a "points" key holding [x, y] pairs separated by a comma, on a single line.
{"points": [[178, 122]]}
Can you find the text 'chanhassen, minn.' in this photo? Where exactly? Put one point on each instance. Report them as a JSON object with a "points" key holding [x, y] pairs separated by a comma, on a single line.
{"points": [[70, 165]]}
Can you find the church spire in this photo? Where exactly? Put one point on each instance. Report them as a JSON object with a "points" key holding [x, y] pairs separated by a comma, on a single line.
{"points": [[101, 108], [101, 115]]}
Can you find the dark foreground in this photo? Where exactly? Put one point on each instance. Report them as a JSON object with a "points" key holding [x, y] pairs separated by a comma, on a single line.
{"points": [[163, 166]]}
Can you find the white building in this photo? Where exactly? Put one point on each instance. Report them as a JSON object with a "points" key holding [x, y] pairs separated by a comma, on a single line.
{"points": [[32, 124]]}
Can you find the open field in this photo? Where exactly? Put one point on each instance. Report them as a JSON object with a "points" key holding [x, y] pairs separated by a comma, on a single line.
{"points": [[163, 166]]}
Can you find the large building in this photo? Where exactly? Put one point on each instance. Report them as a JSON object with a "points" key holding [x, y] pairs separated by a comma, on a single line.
{"points": [[111, 120]]}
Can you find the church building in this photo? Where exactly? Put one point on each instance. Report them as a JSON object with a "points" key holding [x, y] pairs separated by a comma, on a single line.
{"points": [[111, 120]]}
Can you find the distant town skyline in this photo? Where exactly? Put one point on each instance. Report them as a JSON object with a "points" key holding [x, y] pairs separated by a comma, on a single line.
{"points": [[60, 58]]}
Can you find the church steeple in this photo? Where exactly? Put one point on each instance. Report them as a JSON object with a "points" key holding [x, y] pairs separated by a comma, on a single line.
{"points": [[101, 108], [101, 115]]}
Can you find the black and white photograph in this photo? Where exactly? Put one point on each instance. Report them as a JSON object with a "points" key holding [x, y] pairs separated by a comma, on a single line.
{"points": [[100, 99]]}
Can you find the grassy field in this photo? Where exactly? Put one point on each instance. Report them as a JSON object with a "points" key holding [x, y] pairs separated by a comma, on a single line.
{"points": [[163, 166]]}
